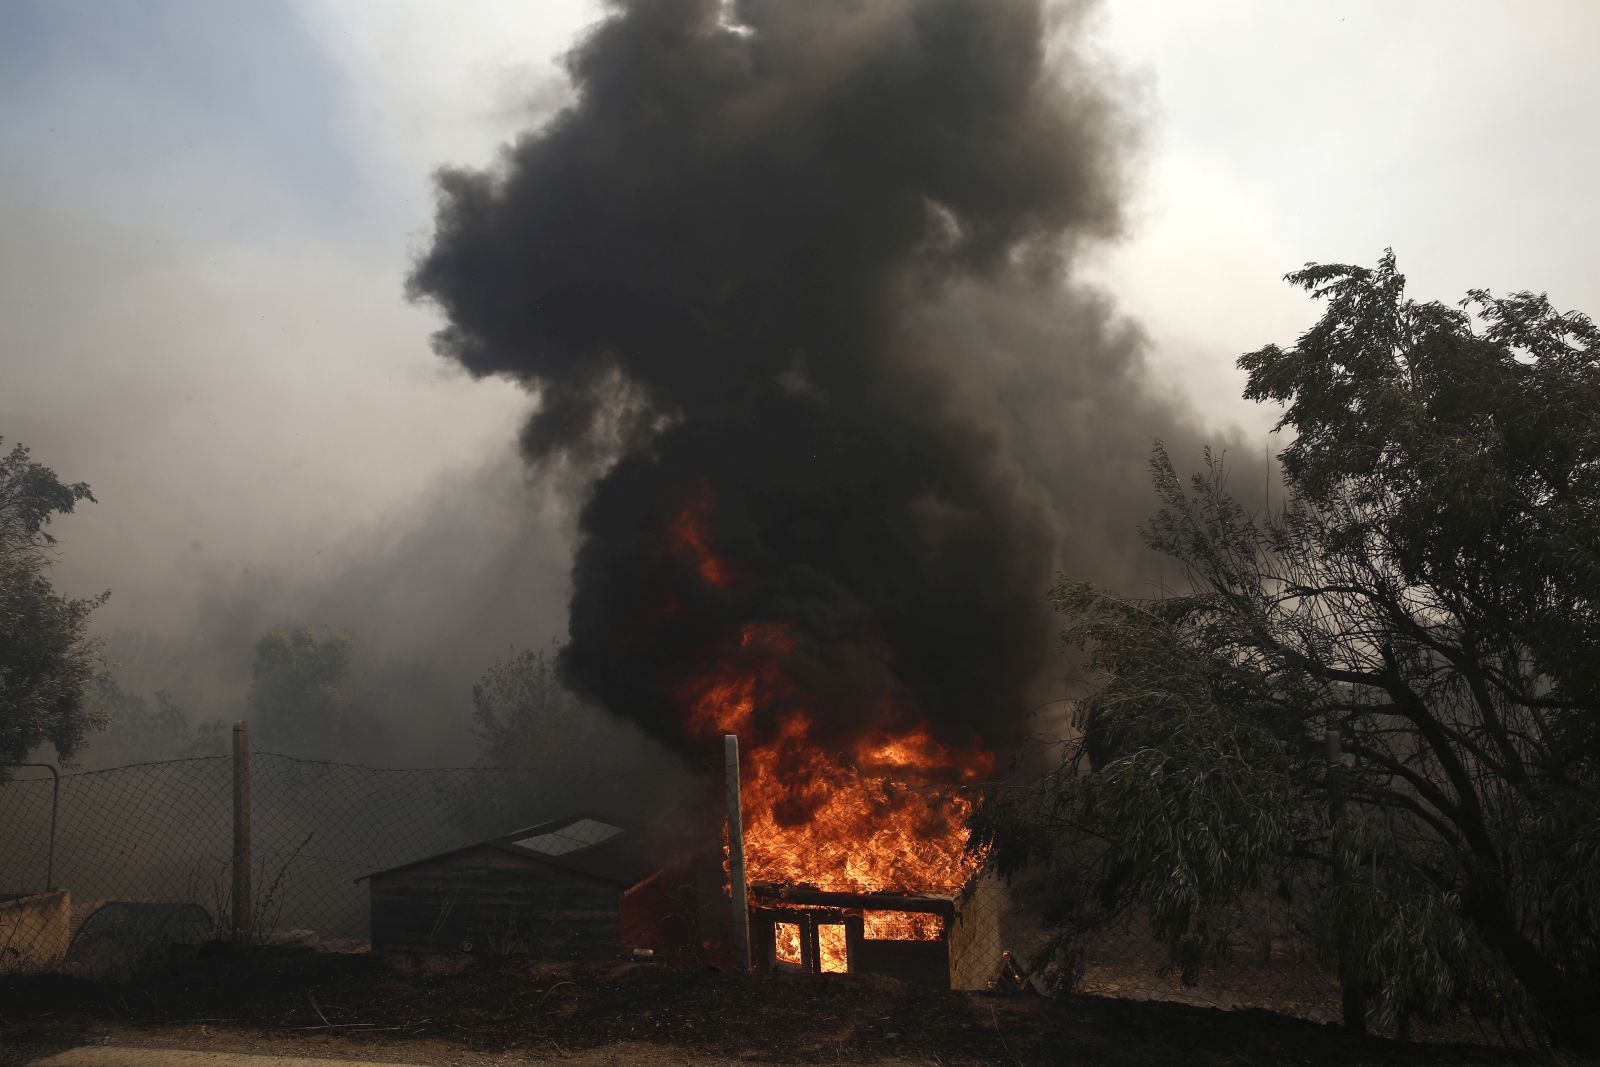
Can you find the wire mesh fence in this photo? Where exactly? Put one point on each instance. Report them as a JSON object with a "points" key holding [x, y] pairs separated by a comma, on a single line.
{"points": [[113, 874], [132, 864], [148, 834]]}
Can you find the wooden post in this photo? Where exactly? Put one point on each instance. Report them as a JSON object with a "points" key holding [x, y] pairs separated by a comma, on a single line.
{"points": [[1353, 1001], [241, 832], [737, 885]]}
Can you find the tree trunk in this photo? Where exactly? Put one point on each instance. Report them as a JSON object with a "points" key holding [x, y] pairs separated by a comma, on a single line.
{"points": [[1352, 995], [1570, 1009]]}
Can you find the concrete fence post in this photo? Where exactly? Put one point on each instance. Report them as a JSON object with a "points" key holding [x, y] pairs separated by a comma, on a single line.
{"points": [[738, 888]]}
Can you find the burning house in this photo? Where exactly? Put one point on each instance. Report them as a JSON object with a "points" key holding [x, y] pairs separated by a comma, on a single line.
{"points": [[949, 942]]}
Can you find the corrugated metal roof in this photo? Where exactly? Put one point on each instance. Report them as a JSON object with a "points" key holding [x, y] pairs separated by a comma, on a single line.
{"points": [[596, 846], [585, 832]]}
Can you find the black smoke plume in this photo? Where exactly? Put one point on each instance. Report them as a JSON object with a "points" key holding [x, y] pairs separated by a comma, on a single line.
{"points": [[800, 271]]}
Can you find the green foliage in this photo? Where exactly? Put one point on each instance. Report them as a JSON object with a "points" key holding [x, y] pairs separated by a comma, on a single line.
{"points": [[1428, 595], [137, 730], [523, 716], [298, 702], [1473, 457], [525, 720], [1209, 795], [46, 654]]}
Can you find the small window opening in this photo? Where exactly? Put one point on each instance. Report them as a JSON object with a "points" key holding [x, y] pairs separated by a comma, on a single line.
{"points": [[901, 926], [833, 949], [786, 942]]}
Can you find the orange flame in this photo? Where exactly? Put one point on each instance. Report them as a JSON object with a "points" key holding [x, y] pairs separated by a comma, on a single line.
{"points": [[809, 820], [787, 942], [901, 926], [833, 955], [687, 533], [882, 816]]}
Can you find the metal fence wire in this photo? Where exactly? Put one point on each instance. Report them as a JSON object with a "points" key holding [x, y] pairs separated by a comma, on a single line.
{"points": [[123, 840], [142, 855], [141, 872]]}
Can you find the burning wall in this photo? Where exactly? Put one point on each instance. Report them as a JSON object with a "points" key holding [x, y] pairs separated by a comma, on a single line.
{"points": [[949, 941]]}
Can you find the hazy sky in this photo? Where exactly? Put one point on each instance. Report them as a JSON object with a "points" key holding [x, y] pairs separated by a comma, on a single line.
{"points": [[207, 211]]}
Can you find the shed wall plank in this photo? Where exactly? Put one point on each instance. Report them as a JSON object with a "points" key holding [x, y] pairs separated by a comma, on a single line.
{"points": [[495, 903]]}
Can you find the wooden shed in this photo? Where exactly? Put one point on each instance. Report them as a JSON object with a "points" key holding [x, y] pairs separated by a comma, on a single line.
{"points": [[586, 886]]}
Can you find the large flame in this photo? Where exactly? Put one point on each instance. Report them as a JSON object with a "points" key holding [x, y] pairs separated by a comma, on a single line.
{"points": [[882, 813]]}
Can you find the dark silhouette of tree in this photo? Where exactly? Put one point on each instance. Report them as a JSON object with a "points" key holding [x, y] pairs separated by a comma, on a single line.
{"points": [[537, 739], [1428, 594], [299, 701], [523, 716], [137, 729]]}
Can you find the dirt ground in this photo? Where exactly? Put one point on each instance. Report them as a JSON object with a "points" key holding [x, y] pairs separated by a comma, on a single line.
{"points": [[514, 1011]]}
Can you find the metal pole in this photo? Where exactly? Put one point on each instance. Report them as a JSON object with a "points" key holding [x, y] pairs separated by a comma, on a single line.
{"points": [[241, 832], [55, 807], [1354, 1004], [737, 885]]}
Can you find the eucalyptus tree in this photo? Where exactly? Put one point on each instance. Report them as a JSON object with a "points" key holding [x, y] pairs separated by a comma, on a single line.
{"points": [[1428, 596]]}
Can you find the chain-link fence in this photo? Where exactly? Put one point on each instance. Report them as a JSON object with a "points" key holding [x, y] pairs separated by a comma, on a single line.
{"points": [[111, 874], [121, 855], [108, 874]]}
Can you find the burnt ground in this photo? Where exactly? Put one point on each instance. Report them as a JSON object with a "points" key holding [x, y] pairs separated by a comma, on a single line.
{"points": [[359, 1005]]}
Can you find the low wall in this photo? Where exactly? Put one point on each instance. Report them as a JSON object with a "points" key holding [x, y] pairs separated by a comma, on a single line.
{"points": [[34, 931]]}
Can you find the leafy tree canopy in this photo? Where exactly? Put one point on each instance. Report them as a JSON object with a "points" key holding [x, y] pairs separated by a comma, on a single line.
{"points": [[522, 715], [526, 721], [1427, 596], [298, 701], [46, 654], [563, 756], [137, 730]]}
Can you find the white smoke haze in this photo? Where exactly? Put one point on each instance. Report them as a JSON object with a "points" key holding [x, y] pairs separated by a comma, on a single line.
{"points": [[217, 519], [201, 307], [242, 382]]}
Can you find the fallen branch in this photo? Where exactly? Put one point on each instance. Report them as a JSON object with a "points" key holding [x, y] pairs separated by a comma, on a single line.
{"points": [[994, 1017], [313, 1001], [330, 1026], [538, 1010]]}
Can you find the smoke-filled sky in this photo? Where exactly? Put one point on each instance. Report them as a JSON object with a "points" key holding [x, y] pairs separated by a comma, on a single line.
{"points": [[208, 212]]}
